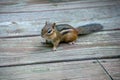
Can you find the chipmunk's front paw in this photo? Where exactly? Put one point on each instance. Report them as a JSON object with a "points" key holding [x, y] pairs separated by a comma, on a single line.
{"points": [[54, 49]]}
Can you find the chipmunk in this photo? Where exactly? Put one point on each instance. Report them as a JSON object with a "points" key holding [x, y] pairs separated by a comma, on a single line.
{"points": [[66, 33]]}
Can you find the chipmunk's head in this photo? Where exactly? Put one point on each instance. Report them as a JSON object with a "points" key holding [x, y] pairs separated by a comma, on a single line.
{"points": [[48, 31]]}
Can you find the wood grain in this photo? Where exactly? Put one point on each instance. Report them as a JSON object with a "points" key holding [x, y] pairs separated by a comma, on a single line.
{"points": [[112, 66], [28, 19], [19, 51], [85, 70]]}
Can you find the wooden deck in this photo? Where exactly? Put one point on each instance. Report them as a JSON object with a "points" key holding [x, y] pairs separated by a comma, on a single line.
{"points": [[23, 56]]}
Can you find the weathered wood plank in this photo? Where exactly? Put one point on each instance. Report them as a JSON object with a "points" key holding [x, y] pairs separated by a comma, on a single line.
{"points": [[80, 13], [34, 28], [23, 7], [97, 11], [105, 38], [17, 51], [113, 67], [16, 59], [85, 70], [69, 14], [4, 2], [10, 2]]}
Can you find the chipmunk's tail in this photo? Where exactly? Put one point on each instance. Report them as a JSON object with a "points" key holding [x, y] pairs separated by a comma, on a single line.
{"points": [[89, 28]]}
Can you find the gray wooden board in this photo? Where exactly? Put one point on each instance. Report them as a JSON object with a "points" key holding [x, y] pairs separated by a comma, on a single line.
{"points": [[17, 51], [30, 44], [70, 15], [28, 19], [33, 28], [11, 2], [55, 6], [80, 70], [8, 59], [112, 66]]}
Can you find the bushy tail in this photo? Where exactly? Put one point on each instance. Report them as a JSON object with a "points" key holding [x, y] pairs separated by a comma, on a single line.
{"points": [[89, 28]]}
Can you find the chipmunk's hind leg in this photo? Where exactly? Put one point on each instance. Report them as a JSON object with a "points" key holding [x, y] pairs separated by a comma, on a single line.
{"points": [[71, 43], [70, 37]]}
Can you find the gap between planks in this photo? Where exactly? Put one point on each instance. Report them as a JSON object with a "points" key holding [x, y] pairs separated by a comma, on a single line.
{"points": [[81, 70], [61, 61]]}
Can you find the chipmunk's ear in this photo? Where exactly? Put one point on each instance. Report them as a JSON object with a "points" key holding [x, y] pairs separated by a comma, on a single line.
{"points": [[53, 26]]}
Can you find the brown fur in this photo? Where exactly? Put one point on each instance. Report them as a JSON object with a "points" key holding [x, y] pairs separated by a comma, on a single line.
{"points": [[49, 32], [70, 37]]}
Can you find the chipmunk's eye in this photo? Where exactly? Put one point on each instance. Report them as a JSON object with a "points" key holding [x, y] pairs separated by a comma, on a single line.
{"points": [[49, 31]]}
